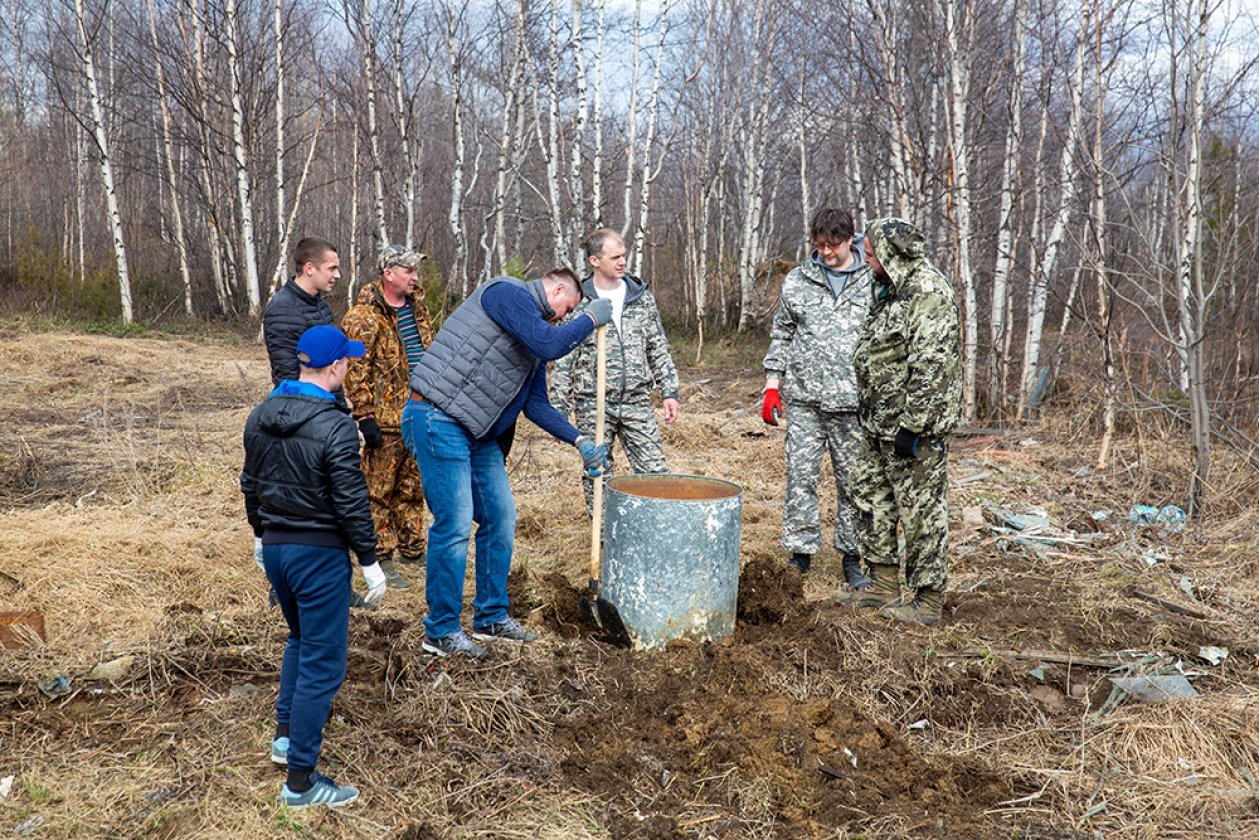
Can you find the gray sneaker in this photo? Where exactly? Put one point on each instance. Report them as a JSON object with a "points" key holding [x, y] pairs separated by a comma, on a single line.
{"points": [[508, 630], [324, 791], [456, 642], [357, 602], [395, 580]]}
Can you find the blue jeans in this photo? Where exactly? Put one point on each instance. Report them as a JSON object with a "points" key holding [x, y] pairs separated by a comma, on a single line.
{"points": [[465, 481], [312, 584]]}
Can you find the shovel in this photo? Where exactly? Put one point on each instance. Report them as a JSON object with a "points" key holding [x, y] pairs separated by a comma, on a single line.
{"points": [[595, 607]]}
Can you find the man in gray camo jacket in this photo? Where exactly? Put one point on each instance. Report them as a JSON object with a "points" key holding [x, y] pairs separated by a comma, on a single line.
{"points": [[638, 363], [809, 364]]}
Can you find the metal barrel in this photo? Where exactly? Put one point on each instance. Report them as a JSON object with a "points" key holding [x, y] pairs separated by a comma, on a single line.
{"points": [[671, 556]]}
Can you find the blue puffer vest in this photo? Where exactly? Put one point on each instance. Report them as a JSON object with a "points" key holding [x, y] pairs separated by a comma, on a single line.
{"points": [[475, 368]]}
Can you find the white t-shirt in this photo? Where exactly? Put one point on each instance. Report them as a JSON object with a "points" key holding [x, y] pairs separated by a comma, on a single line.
{"points": [[617, 296]]}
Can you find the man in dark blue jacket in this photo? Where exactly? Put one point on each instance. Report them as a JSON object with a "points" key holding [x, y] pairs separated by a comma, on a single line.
{"points": [[306, 499], [486, 366]]}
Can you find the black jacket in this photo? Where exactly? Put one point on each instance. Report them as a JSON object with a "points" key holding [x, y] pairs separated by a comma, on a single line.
{"points": [[290, 313], [303, 482]]}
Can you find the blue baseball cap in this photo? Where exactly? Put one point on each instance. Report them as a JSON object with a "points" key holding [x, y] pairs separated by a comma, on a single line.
{"points": [[322, 345]]}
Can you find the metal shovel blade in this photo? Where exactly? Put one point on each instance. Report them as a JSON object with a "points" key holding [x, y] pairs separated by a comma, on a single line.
{"points": [[603, 613]]}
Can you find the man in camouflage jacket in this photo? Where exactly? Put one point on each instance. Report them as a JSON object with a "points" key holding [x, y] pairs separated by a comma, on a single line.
{"points": [[638, 362], [395, 327], [909, 393], [823, 302]]}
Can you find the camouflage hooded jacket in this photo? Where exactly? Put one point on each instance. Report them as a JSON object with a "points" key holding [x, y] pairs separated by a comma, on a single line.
{"points": [[378, 385], [907, 358], [638, 355], [813, 333]]}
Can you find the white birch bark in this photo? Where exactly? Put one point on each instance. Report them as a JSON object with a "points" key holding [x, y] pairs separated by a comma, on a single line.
{"points": [[368, 47], [177, 216], [495, 252], [281, 233], [596, 171], [243, 188], [101, 136], [631, 142], [653, 109], [459, 273], [959, 37], [1068, 172], [1195, 298], [802, 111], [753, 141], [404, 123], [576, 185], [552, 149], [997, 359], [354, 193], [886, 25]]}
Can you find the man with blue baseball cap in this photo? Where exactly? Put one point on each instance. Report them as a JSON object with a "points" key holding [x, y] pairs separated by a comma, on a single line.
{"points": [[306, 499]]}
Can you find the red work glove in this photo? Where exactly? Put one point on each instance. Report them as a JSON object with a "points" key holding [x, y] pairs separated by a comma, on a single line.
{"points": [[772, 408]]}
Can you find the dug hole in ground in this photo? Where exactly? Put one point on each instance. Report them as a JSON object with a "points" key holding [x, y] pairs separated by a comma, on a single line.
{"points": [[123, 524]]}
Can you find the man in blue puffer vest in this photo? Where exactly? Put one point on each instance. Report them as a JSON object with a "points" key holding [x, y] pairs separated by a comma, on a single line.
{"points": [[486, 366]]}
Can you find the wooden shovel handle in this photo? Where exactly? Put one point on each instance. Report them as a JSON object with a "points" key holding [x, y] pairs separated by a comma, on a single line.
{"points": [[596, 519]]}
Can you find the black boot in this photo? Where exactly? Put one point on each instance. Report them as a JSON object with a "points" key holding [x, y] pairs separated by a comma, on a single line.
{"points": [[856, 578], [801, 561]]}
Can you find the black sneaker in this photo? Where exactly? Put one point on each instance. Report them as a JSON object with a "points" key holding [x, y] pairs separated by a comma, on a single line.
{"points": [[853, 573], [456, 643], [508, 630], [357, 602]]}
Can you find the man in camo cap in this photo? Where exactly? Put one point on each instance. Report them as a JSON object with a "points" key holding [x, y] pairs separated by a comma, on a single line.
{"points": [[823, 302], [394, 326], [909, 393]]}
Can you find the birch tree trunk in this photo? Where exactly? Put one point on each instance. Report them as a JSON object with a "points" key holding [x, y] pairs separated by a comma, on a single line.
{"points": [[404, 123], [243, 189], [354, 191], [802, 111], [753, 142], [281, 234], [960, 52], [552, 148], [459, 272], [1067, 177], [653, 107], [596, 171], [576, 185], [632, 118], [997, 358], [496, 252], [177, 216], [101, 137], [368, 46], [1195, 298], [887, 25], [1104, 293]]}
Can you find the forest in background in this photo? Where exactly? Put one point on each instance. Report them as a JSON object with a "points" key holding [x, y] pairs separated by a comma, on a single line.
{"points": [[1085, 170]]}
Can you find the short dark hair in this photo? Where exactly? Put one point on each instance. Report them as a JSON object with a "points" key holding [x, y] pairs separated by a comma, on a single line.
{"points": [[309, 250], [595, 240], [831, 223], [564, 276]]}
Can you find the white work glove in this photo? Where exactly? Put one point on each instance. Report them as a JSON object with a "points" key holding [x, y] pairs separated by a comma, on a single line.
{"points": [[258, 554], [376, 583]]}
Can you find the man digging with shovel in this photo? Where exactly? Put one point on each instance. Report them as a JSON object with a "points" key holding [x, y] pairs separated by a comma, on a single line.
{"points": [[486, 366]]}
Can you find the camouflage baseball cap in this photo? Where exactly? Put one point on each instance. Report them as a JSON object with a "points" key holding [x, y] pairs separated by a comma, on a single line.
{"points": [[398, 255]]}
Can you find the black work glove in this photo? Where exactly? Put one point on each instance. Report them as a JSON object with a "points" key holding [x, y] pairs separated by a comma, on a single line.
{"points": [[906, 443], [372, 437]]}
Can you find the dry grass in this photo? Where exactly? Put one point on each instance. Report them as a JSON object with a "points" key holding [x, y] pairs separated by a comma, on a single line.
{"points": [[124, 526]]}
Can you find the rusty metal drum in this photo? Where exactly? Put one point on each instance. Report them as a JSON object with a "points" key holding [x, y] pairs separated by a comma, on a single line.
{"points": [[671, 556]]}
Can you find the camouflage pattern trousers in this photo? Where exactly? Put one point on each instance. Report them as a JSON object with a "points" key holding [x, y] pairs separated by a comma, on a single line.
{"points": [[397, 496], [888, 490], [811, 433], [635, 426]]}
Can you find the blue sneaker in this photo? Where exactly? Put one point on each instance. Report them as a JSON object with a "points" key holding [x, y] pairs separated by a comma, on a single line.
{"points": [[324, 791], [280, 751], [508, 630]]}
